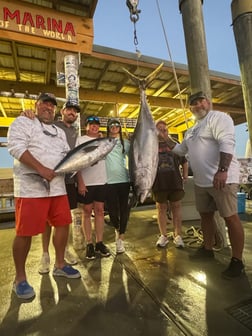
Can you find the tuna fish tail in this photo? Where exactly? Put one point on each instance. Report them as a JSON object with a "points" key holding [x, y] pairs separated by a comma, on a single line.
{"points": [[144, 82], [40, 179]]}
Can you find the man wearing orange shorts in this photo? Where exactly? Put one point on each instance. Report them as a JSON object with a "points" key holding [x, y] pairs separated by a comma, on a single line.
{"points": [[37, 146]]}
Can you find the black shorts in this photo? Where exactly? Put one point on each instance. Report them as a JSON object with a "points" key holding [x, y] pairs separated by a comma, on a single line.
{"points": [[72, 195], [94, 194], [168, 195]]}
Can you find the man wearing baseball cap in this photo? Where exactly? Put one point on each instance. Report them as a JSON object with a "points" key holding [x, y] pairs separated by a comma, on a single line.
{"points": [[197, 96], [210, 145], [69, 114], [47, 97], [37, 145]]}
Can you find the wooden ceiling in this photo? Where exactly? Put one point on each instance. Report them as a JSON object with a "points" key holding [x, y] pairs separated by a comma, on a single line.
{"points": [[105, 89]]}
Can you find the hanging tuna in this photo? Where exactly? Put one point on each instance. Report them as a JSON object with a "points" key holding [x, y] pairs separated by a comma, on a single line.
{"points": [[143, 156]]}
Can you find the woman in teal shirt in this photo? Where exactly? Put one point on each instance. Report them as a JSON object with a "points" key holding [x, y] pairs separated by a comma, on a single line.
{"points": [[118, 186]]}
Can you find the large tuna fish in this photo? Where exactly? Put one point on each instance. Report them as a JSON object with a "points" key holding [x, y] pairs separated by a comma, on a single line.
{"points": [[143, 156], [81, 157], [85, 155]]}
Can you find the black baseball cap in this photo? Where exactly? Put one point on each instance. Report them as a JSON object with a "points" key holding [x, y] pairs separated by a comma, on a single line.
{"points": [[197, 95], [69, 104], [44, 97]]}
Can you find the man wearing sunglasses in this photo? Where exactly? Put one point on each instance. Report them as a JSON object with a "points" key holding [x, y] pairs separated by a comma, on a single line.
{"points": [[69, 114], [37, 145], [92, 192]]}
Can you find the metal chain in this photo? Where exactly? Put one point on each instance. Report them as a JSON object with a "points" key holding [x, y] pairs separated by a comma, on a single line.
{"points": [[138, 52], [135, 35], [134, 17]]}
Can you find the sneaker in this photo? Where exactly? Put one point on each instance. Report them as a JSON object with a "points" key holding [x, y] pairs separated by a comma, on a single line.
{"points": [[67, 271], [44, 266], [120, 246], [234, 270], [70, 258], [202, 254], [162, 241], [178, 241], [102, 249], [90, 252], [23, 290]]}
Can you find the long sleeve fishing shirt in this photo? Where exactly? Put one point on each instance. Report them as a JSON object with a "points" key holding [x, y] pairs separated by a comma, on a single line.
{"points": [[204, 142], [26, 134]]}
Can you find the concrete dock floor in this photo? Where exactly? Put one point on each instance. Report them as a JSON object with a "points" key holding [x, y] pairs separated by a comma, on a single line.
{"points": [[145, 291]]}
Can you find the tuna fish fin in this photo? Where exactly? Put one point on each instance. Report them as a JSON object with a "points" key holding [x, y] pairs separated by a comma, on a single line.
{"points": [[89, 149]]}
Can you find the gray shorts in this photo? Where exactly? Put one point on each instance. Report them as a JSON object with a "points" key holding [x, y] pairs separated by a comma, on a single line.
{"points": [[209, 199]]}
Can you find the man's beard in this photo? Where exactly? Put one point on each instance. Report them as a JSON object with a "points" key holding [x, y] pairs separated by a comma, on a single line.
{"points": [[201, 113]]}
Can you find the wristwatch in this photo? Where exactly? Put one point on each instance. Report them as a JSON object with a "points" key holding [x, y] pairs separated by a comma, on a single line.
{"points": [[223, 169]]}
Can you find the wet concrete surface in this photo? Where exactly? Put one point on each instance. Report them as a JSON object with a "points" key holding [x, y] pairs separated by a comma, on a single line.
{"points": [[146, 291]]}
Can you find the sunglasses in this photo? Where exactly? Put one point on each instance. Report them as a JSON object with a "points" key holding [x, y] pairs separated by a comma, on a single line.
{"points": [[114, 125], [46, 132], [93, 120]]}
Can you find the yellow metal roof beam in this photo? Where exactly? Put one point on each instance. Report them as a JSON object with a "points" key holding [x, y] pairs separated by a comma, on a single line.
{"points": [[6, 122], [2, 110]]}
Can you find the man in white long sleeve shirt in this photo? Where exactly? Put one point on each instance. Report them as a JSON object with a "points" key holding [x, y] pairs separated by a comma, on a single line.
{"points": [[37, 146], [210, 147]]}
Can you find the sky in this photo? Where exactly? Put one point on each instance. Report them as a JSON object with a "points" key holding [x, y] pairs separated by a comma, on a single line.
{"points": [[113, 28]]}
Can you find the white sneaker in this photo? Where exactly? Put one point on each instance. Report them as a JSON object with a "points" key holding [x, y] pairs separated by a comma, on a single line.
{"points": [[70, 258], [120, 246], [162, 241], [44, 266], [178, 241]]}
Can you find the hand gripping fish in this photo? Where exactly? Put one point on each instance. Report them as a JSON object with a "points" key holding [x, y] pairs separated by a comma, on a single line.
{"points": [[82, 156], [143, 155]]}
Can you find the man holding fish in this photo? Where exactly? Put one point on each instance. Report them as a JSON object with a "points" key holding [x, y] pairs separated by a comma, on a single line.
{"points": [[37, 145], [69, 113]]}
